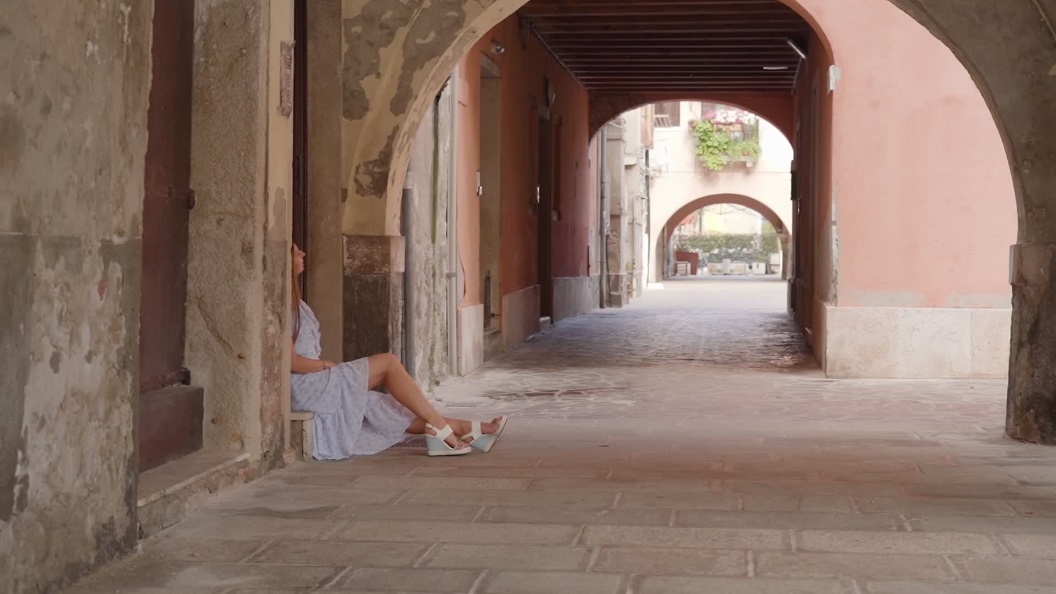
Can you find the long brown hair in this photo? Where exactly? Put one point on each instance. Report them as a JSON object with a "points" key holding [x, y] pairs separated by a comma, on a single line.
{"points": [[295, 293]]}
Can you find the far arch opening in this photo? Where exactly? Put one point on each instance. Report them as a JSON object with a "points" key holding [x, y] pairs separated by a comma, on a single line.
{"points": [[666, 241]]}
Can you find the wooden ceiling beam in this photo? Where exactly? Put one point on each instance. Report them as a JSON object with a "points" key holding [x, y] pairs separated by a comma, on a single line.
{"points": [[544, 8], [686, 32], [646, 59], [681, 80], [687, 40], [752, 69], [682, 88], [601, 22]]}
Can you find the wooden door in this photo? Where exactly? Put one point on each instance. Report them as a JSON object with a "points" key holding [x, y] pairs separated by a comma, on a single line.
{"points": [[300, 131], [170, 418]]}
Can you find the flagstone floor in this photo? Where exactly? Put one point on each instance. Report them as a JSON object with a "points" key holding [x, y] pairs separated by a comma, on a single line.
{"points": [[685, 444]]}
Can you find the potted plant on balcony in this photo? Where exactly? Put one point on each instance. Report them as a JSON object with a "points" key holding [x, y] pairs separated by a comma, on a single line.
{"points": [[728, 136]]}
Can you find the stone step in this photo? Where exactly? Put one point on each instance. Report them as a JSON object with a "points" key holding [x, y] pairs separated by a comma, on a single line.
{"points": [[302, 434]]}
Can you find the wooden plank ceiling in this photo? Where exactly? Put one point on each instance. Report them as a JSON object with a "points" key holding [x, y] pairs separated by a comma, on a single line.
{"points": [[642, 46]]}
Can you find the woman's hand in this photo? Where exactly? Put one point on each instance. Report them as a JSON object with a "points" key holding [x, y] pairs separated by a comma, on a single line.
{"points": [[299, 364]]}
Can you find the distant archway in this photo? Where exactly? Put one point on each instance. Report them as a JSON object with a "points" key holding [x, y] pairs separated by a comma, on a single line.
{"points": [[784, 232]]}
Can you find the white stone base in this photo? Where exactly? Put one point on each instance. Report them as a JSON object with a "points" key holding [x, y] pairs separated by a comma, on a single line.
{"points": [[575, 295], [912, 343], [470, 338], [520, 316]]}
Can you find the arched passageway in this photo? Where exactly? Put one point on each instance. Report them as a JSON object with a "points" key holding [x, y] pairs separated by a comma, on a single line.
{"points": [[877, 87], [833, 233]]}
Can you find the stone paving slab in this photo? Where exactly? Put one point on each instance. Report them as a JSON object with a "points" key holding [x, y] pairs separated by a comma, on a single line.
{"points": [[806, 565], [935, 588], [547, 582], [510, 557], [410, 580], [688, 585], [681, 445], [672, 561], [787, 520]]}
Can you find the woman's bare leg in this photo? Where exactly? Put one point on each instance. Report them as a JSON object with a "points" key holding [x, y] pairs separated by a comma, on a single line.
{"points": [[387, 369]]}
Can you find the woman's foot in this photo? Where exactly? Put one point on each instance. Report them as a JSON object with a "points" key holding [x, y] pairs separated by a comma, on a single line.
{"points": [[482, 436], [464, 427], [451, 439]]}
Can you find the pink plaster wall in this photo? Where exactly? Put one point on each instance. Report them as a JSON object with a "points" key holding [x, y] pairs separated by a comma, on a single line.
{"points": [[923, 198], [523, 72], [468, 163]]}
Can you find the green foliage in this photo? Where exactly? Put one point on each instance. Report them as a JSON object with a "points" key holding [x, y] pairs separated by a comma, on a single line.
{"points": [[739, 247], [769, 242], [716, 147], [713, 144]]}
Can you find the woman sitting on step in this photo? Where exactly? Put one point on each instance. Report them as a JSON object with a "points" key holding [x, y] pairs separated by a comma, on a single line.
{"points": [[352, 419]]}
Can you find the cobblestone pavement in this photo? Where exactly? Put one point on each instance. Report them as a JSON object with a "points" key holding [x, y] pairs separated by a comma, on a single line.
{"points": [[685, 444]]}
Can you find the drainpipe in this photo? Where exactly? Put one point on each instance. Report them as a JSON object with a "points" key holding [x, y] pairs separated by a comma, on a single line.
{"points": [[647, 236], [603, 224], [452, 233], [410, 334]]}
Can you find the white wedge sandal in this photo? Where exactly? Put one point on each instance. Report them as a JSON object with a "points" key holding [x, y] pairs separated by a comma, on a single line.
{"points": [[438, 447], [484, 441]]}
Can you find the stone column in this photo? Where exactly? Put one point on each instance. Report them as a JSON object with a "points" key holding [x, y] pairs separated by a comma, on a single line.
{"points": [[614, 238], [1032, 374], [238, 265], [373, 294]]}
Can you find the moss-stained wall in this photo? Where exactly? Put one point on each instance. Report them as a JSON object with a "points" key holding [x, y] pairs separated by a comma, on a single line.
{"points": [[73, 116], [391, 52]]}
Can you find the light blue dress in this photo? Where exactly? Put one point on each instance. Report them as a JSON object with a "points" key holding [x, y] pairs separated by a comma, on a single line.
{"points": [[350, 418]]}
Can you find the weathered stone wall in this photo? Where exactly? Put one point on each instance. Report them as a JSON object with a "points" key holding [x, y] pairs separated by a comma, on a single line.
{"points": [[381, 112], [73, 117], [429, 243]]}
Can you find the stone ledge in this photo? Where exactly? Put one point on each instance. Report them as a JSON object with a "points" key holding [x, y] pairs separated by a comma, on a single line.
{"points": [[170, 492], [302, 435]]}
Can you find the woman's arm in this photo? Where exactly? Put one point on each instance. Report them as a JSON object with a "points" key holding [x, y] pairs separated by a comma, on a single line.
{"points": [[299, 364]]}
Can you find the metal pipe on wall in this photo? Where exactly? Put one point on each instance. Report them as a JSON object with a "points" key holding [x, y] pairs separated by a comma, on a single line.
{"points": [[603, 216], [452, 231], [410, 335]]}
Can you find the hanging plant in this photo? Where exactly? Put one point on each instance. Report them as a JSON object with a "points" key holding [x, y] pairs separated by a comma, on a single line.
{"points": [[717, 147], [713, 145]]}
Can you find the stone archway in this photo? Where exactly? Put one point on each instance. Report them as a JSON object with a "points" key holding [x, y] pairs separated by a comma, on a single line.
{"points": [[784, 232], [1008, 48], [1010, 51]]}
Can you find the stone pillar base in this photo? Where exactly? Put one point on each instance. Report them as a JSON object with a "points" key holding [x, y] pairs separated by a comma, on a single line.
{"points": [[914, 343], [373, 295], [617, 290], [1031, 413]]}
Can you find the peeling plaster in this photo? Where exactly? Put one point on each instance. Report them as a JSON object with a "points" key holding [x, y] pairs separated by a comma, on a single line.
{"points": [[436, 26], [372, 177], [374, 28]]}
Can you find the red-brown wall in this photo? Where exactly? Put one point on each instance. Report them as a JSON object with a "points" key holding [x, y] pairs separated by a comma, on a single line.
{"points": [[524, 68]]}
